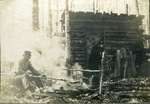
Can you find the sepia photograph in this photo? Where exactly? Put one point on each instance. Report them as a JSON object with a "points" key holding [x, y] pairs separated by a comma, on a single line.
{"points": [[75, 51]]}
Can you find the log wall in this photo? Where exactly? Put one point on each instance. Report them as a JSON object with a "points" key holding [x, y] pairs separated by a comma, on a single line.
{"points": [[119, 31]]}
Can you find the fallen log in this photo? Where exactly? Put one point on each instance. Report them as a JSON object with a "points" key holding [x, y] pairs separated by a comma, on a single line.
{"points": [[72, 82], [82, 70]]}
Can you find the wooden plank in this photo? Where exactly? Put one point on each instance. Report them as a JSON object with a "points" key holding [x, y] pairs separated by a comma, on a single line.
{"points": [[121, 42], [119, 31], [78, 58], [73, 39], [77, 41], [78, 55], [77, 48], [76, 37], [100, 25], [53, 94], [102, 22], [125, 36], [77, 34], [123, 39], [104, 27], [83, 63], [78, 61], [146, 36], [76, 44], [147, 50], [74, 56], [78, 52], [86, 70]]}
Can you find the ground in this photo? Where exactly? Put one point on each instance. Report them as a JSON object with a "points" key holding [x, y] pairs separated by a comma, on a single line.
{"points": [[133, 90]]}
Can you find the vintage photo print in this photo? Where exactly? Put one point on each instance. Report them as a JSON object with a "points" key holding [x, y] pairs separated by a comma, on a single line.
{"points": [[74, 51]]}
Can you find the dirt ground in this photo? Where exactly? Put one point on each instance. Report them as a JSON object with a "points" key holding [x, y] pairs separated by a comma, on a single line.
{"points": [[116, 91]]}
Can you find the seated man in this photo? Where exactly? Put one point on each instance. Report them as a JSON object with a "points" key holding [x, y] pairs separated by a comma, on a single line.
{"points": [[27, 77]]}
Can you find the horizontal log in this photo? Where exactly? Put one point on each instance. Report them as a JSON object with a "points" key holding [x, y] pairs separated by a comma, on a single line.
{"points": [[132, 94], [74, 56], [129, 84], [76, 47], [122, 39], [85, 70], [79, 61], [106, 20], [146, 57], [78, 52], [79, 55], [76, 44], [146, 36], [103, 22], [72, 49], [119, 31], [130, 88], [117, 35], [74, 39], [119, 47], [78, 58], [105, 27], [113, 42], [72, 36], [100, 32], [120, 34], [77, 41], [77, 34], [74, 31], [147, 50], [139, 37]]}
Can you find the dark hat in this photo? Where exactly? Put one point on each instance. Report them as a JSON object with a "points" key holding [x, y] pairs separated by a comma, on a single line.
{"points": [[27, 53]]}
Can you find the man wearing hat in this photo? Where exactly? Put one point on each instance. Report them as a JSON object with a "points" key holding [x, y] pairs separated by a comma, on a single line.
{"points": [[25, 79]]}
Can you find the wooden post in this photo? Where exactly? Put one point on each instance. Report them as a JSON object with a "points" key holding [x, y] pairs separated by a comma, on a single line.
{"points": [[35, 15], [43, 17], [101, 74], [94, 6], [127, 9], [67, 30], [125, 68], [137, 6], [50, 21], [57, 18]]}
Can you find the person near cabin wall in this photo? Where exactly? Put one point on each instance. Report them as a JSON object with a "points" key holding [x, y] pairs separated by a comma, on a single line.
{"points": [[94, 62]]}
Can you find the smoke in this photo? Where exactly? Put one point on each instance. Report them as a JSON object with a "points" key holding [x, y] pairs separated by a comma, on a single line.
{"points": [[17, 36]]}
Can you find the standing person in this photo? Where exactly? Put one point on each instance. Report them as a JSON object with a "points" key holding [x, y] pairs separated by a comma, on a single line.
{"points": [[94, 63], [95, 57], [25, 77]]}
